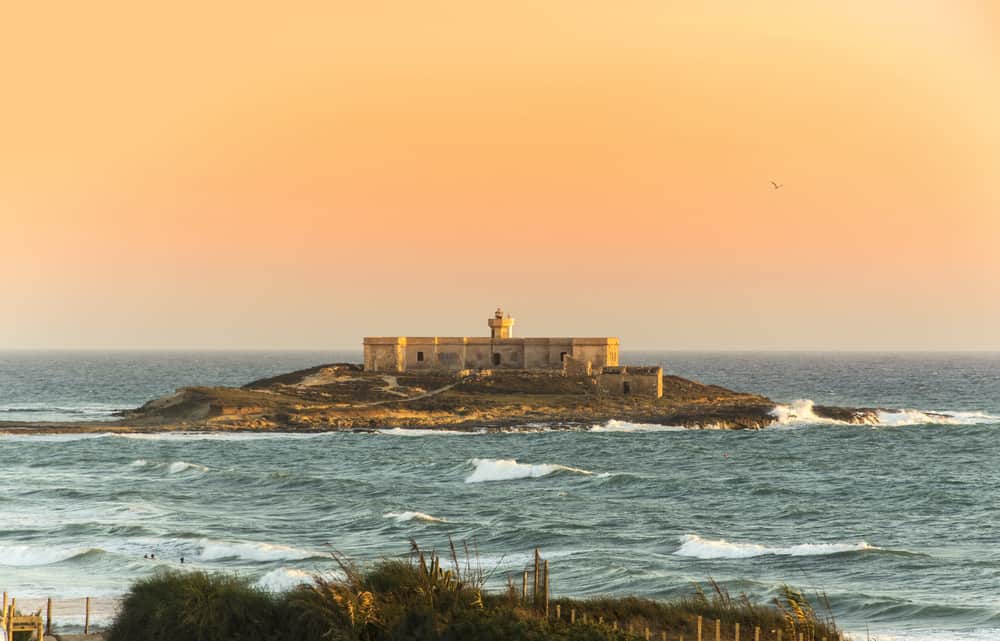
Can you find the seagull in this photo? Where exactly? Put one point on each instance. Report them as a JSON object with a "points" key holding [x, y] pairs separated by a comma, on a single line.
{"points": [[776, 185]]}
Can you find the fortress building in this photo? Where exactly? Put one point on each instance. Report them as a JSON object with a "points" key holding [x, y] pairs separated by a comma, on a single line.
{"points": [[499, 350]]}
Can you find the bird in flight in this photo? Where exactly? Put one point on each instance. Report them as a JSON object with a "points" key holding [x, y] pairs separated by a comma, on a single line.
{"points": [[776, 185]]}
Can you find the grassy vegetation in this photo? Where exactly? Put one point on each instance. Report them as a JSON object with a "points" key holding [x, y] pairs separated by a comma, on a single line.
{"points": [[422, 599]]}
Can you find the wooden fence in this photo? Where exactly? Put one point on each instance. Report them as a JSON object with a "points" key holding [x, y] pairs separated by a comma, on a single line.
{"points": [[78, 613], [535, 593]]}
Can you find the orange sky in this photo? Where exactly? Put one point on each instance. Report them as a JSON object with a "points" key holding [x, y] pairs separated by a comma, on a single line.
{"points": [[298, 175]]}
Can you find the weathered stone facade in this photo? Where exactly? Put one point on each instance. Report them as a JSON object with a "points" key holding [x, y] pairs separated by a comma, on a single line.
{"points": [[631, 380], [498, 351]]}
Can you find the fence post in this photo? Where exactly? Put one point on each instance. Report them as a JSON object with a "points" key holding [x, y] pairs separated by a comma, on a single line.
{"points": [[10, 618], [756, 633], [559, 614], [737, 632], [48, 616], [647, 633], [524, 588], [699, 628], [86, 617], [538, 563], [572, 616], [718, 630], [545, 589]]}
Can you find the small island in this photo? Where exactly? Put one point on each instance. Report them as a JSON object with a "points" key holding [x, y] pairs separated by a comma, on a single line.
{"points": [[463, 383]]}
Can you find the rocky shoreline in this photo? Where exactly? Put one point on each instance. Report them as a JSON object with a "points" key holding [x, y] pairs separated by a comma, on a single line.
{"points": [[344, 397]]}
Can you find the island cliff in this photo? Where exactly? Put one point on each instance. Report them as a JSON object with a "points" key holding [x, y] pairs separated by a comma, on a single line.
{"points": [[345, 396]]}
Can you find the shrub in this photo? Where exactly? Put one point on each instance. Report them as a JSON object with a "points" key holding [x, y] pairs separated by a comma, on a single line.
{"points": [[194, 606]]}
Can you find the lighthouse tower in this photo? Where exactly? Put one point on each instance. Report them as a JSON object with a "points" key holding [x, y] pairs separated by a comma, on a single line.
{"points": [[500, 326]]}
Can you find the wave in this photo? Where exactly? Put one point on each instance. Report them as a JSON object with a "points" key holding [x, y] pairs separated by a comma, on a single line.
{"points": [[402, 517], [252, 551], [59, 410], [283, 579], [697, 547], [175, 467], [30, 555], [982, 634], [899, 418], [802, 411], [402, 431], [510, 470], [220, 436], [624, 426]]}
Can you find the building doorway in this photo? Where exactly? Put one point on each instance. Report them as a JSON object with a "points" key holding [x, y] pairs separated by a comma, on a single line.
{"points": [[626, 388], [496, 359]]}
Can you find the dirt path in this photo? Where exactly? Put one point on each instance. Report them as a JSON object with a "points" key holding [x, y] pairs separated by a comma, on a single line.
{"points": [[411, 398]]}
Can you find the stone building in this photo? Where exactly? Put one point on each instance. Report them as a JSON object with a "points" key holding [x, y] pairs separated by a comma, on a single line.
{"points": [[629, 380], [499, 350]]}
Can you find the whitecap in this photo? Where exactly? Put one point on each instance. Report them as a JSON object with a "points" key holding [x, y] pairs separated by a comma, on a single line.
{"points": [[802, 411], [219, 436], [402, 517], [625, 426], [403, 431], [799, 411], [697, 547], [900, 418], [32, 555], [252, 551], [182, 466], [283, 579], [510, 469]]}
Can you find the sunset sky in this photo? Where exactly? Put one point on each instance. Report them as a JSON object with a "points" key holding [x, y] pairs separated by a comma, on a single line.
{"points": [[300, 175]]}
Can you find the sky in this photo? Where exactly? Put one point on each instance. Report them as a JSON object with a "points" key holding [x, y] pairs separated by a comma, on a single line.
{"points": [[298, 175]]}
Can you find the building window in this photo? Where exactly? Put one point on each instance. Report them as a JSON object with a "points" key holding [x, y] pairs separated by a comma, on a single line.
{"points": [[420, 356], [496, 359], [626, 389]]}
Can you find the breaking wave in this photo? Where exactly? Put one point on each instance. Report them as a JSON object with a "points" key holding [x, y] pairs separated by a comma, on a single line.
{"points": [[283, 579], [510, 470], [31, 555], [624, 426], [802, 411], [695, 546], [901, 418], [175, 467], [402, 431], [251, 551], [402, 517]]}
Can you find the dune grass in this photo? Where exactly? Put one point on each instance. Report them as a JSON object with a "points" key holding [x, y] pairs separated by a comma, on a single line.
{"points": [[425, 599]]}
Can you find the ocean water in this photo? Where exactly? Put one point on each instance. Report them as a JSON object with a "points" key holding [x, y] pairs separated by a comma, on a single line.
{"points": [[898, 523]]}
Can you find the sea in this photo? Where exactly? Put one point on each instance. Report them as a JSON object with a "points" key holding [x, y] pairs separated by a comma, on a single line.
{"points": [[895, 524]]}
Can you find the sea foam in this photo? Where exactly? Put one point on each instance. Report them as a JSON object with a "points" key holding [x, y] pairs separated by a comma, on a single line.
{"points": [[624, 426], [175, 467], [697, 547], [283, 579], [510, 470], [30, 555], [402, 431], [252, 551], [801, 412], [402, 517]]}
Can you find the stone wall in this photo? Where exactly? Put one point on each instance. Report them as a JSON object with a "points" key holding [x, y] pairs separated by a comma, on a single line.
{"points": [[416, 353], [631, 381]]}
